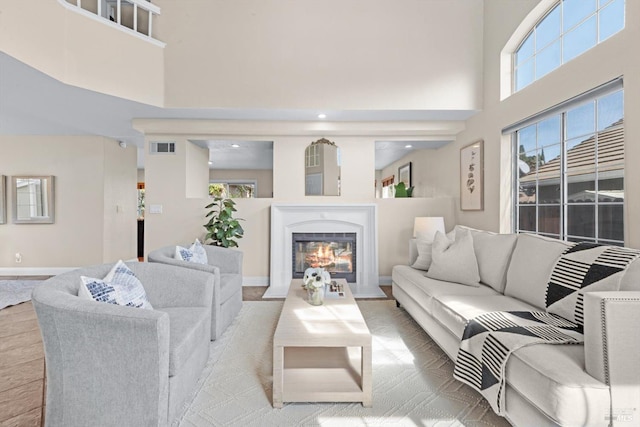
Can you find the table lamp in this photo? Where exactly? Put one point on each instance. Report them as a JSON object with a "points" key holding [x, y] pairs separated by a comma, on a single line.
{"points": [[425, 227]]}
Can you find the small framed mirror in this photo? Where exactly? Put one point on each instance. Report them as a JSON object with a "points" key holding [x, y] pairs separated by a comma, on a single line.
{"points": [[32, 199], [322, 168], [3, 200]]}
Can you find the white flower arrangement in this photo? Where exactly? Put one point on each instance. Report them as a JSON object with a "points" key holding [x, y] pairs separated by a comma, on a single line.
{"points": [[316, 278]]}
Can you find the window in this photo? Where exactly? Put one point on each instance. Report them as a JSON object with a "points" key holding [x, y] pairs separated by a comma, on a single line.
{"points": [[312, 156], [387, 187], [570, 170], [569, 29], [234, 189]]}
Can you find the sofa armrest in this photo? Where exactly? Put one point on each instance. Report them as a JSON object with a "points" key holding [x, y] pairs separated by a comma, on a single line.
{"points": [[612, 349], [103, 354]]}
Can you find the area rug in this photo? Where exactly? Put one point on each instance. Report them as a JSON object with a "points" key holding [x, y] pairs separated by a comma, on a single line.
{"points": [[14, 292], [413, 381]]}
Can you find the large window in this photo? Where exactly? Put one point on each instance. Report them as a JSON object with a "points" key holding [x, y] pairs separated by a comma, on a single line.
{"points": [[570, 28], [570, 168]]}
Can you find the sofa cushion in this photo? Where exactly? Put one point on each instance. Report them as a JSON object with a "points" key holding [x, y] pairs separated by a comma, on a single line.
{"points": [[530, 268], [189, 327], [553, 379], [454, 261], [493, 252], [423, 289], [453, 311]]}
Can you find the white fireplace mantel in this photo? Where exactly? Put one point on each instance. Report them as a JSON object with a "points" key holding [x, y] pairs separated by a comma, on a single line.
{"points": [[361, 219]]}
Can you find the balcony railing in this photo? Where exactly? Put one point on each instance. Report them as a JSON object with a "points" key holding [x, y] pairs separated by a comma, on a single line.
{"points": [[130, 15]]}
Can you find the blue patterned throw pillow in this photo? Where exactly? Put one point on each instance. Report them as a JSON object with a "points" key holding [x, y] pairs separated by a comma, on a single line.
{"points": [[119, 287], [195, 253]]}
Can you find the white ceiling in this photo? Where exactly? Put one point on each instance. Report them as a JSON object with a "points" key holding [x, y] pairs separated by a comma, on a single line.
{"points": [[32, 103]]}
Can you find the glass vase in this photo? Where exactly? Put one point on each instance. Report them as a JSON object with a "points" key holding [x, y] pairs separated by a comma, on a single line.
{"points": [[315, 295]]}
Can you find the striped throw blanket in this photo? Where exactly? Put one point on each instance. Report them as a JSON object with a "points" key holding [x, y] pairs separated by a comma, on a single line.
{"points": [[585, 267], [490, 338]]}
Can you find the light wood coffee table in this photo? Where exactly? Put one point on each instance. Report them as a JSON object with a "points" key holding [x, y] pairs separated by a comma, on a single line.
{"points": [[321, 353]]}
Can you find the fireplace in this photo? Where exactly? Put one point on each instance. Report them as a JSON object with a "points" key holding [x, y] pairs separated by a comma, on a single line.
{"points": [[335, 252], [325, 219]]}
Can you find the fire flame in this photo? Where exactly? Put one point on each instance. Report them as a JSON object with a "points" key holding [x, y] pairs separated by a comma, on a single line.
{"points": [[325, 257]]}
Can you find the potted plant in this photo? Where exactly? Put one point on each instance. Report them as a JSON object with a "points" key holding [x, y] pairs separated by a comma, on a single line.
{"points": [[223, 229], [402, 191]]}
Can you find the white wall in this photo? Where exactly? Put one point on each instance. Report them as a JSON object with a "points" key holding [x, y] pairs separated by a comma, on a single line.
{"points": [[120, 202], [331, 54], [610, 59], [92, 176], [79, 51], [182, 217]]}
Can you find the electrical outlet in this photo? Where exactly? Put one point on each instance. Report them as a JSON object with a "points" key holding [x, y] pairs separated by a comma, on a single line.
{"points": [[18, 257]]}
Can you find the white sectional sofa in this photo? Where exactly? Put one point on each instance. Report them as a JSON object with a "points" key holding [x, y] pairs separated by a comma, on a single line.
{"points": [[567, 385]]}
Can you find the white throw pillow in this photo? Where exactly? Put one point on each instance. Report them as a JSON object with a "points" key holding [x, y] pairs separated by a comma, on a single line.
{"points": [[493, 252], [531, 263], [454, 261], [120, 287], [196, 253], [424, 255]]}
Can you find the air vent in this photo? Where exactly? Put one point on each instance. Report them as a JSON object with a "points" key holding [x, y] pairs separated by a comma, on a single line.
{"points": [[162, 147]]}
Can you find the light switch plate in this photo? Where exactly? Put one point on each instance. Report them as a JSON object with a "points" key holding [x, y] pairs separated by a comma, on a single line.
{"points": [[155, 209]]}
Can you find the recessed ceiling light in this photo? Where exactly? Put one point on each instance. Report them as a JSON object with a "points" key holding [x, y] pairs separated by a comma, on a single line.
{"points": [[210, 162], [408, 146], [235, 145], [322, 116]]}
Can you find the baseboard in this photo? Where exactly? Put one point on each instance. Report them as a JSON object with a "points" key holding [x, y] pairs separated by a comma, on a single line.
{"points": [[34, 271], [384, 280], [255, 281]]}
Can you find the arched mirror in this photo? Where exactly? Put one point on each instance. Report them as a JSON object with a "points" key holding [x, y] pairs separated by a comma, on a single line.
{"points": [[322, 168], [32, 199]]}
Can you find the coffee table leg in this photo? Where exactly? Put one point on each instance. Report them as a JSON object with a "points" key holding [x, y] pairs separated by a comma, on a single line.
{"points": [[278, 372], [366, 376]]}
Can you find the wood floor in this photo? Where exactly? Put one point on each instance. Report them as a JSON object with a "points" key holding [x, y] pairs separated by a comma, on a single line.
{"points": [[21, 367], [22, 385]]}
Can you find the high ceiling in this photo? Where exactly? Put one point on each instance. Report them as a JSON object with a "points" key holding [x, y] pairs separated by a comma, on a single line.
{"points": [[33, 103]]}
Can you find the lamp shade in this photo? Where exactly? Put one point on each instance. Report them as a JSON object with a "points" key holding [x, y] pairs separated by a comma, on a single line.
{"points": [[425, 227]]}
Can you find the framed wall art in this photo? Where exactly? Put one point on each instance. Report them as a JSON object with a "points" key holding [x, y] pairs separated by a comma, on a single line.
{"points": [[404, 174], [472, 177], [33, 199]]}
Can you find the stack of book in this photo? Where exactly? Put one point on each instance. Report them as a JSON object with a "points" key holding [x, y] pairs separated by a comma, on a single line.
{"points": [[334, 290]]}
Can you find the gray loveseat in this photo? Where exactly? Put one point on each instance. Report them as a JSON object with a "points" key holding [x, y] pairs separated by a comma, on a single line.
{"points": [[111, 365], [546, 385], [226, 266]]}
